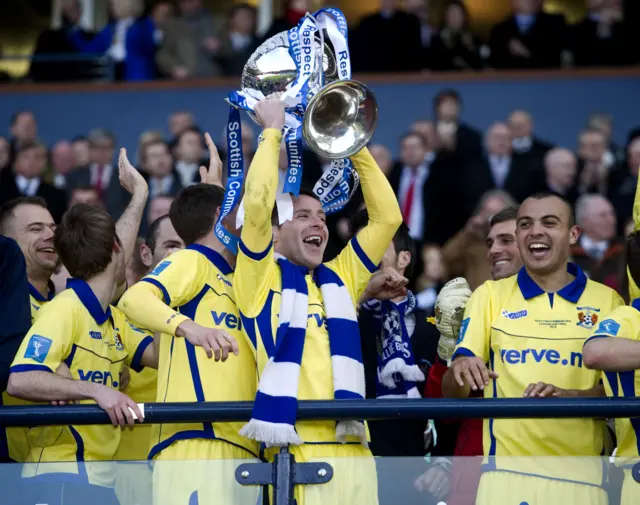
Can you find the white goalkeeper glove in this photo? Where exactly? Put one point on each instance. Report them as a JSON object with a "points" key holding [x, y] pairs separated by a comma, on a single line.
{"points": [[449, 311]]}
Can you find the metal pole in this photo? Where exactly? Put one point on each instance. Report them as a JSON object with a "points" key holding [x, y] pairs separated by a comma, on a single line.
{"points": [[283, 477]]}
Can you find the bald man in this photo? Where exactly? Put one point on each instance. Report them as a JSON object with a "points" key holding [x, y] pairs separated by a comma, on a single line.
{"points": [[499, 168], [523, 139], [560, 172]]}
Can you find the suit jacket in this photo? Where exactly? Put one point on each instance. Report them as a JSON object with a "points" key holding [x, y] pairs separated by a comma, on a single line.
{"points": [[478, 179], [591, 50], [536, 153], [234, 61], [545, 40], [140, 44], [57, 42], [114, 197], [56, 198], [177, 47]]}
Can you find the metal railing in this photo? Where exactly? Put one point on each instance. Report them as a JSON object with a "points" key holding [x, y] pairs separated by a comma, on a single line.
{"points": [[57, 67]]}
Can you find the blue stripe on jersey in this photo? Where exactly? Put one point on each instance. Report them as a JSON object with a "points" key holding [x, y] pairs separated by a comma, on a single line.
{"points": [[69, 359], [627, 381], [366, 261], [30, 368], [193, 499], [248, 324], [492, 437], [82, 469], [214, 257], [463, 351], [165, 294], [265, 327], [612, 377], [255, 256], [136, 364]]}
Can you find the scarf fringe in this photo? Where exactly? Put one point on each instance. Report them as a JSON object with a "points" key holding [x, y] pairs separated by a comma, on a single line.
{"points": [[410, 373], [271, 434], [345, 429]]}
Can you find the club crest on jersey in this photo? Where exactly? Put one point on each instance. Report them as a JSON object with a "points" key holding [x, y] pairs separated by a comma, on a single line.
{"points": [[514, 315], [587, 317]]}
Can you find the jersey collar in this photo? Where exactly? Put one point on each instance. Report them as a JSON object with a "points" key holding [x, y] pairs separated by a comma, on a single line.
{"points": [[636, 304], [36, 294], [214, 257], [86, 295], [571, 292]]}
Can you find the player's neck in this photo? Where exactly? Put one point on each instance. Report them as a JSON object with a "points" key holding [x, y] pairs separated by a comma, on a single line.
{"points": [[40, 282], [554, 281], [103, 286], [213, 243]]}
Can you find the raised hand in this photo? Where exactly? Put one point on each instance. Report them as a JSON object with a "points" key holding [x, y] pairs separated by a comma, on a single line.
{"points": [[213, 174], [130, 178], [385, 284], [216, 343], [270, 112]]}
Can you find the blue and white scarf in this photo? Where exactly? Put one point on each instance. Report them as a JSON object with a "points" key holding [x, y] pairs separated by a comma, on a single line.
{"points": [[397, 372], [274, 410]]}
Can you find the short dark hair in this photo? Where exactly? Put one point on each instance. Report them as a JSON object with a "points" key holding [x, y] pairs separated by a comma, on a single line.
{"points": [[84, 240], [16, 115], [27, 146], [633, 256], [446, 94], [149, 143], [506, 214], [190, 129], [402, 240], [418, 135], [541, 195], [151, 236], [304, 191], [193, 212], [8, 209]]}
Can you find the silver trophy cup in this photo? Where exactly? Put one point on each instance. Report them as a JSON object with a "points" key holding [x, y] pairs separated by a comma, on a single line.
{"points": [[341, 115]]}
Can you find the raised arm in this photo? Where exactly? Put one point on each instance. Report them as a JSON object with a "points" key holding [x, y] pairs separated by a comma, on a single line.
{"points": [[128, 225], [255, 264]]}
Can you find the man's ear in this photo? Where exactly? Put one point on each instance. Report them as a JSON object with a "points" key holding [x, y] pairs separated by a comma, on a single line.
{"points": [[146, 255], [117, 246], [574, 234], [404, 258]]}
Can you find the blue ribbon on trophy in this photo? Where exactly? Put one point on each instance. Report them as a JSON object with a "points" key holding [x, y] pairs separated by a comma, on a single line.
{"points": [[293, 62]]}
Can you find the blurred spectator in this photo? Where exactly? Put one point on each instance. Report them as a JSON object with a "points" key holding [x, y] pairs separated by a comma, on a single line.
{"points": [[294, 10], [623, 182], [497, 169], [177, 49], [24, 130], [241, 40], [420, 9], [85, 194], [447, 105], [206, 34], [529, 38], [190, 155], [5, 155], [145, 138], [28, 169], [604, 123], [382, 155], [158, 206], [129, 41], [597, 252], [178, 122], [560, 171], [396, 50], [56, 42], [63, 162], [465, 255], [523, 141], [157, 163], [431, 279], [599, 40], [593, 168], [81, 151], [101, 174], [427, 129], [454, 46]]}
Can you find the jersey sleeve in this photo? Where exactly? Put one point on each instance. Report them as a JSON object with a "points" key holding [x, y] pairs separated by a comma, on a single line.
{"points": [[135, 341], [255, 265], [475, 331], [49, 341], [617, 325], [360, 258]]}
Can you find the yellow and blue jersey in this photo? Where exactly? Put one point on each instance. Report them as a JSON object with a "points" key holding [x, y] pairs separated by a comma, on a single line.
{"points": [[527, 336], [624, 322], [258, 283], [198, 283], [94, 344], [37, 300]]}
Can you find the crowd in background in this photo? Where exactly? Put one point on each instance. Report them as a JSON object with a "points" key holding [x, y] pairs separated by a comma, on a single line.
{"points": [[449, 178], [180, 40]]}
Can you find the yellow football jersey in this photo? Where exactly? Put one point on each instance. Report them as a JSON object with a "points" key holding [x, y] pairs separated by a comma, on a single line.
{"points": [[527, 336], [258, 282], [37, 300], [624, 322], [198, 283], [94, 344]]}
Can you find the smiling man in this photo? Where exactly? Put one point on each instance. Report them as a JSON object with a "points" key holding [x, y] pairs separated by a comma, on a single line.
{"points": [[529, 327]]}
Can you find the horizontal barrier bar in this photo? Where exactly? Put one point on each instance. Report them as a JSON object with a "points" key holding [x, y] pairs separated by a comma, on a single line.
{"points": [[54, 57], [511, 408]]}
